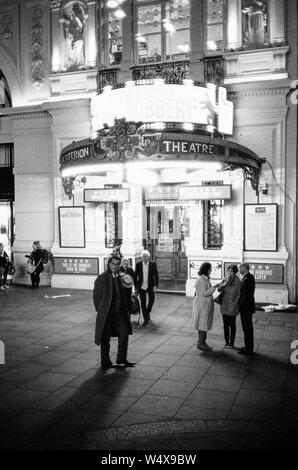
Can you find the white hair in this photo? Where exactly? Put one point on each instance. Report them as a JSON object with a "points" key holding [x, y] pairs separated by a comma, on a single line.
{"points": [[146, 252]]}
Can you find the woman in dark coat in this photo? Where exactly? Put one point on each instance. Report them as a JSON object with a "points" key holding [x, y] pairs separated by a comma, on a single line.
{"points": [[112, 318], [35, 258], [229, 306]]}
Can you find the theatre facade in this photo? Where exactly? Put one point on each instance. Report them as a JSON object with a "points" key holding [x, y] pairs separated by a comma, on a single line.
{"points": [[183, 149]]}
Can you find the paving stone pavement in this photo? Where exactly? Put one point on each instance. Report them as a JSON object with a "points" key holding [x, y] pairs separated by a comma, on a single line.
{"points": [[53, 394]]}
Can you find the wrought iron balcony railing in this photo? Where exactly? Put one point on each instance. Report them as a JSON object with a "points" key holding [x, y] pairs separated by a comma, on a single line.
{"points": [[214, 70], [171, 72], [107, 77]]}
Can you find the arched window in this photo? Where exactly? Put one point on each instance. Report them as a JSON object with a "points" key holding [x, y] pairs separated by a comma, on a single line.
{"points": [[255, 33]]}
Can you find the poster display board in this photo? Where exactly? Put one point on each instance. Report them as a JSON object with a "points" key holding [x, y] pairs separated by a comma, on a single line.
{"points": [[260, 227], [75, 265], [71, 226], [266, 273], [194, 266]]}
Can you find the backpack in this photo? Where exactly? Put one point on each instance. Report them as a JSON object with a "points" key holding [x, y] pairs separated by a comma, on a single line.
{"points": [[45, 256]]}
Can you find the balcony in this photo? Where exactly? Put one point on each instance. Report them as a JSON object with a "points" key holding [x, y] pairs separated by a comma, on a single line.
{"points": [[171, 72], [107, 77]]}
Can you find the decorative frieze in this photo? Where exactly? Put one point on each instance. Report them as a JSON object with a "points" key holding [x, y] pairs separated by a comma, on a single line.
{"points": [[37, 44]]}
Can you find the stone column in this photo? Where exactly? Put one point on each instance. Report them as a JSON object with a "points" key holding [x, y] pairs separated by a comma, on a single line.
{"points": [[196, 39], [91, 46], [56, 61], [234, 24], [128, 42], [132, 219], [277, 22]]}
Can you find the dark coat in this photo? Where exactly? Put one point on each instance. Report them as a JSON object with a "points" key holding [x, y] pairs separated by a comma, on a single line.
{"points": [[247, 291], [102, 299], [35, 257], [153, 278]]}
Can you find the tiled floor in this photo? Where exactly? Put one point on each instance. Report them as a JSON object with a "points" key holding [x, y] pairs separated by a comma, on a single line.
{"points": [[53, 394]]}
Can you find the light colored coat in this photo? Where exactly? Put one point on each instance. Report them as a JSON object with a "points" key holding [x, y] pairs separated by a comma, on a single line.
{"points": [[203, 306]]}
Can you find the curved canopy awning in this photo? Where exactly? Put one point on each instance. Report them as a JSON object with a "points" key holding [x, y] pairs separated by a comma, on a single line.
{"points": [[127, 144]]}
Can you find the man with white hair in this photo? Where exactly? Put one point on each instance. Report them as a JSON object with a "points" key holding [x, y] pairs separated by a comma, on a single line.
{"points": [[146, 283]]}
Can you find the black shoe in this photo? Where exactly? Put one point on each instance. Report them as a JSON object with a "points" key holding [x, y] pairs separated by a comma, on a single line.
{"points": [[146, 322], [106, 365], [125, 364], [245, 352]]}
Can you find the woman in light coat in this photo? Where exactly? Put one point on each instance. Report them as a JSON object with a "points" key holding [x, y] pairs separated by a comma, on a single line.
{"points": [[203, 306]]}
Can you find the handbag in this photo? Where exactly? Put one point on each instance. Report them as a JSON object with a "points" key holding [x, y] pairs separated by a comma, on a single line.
{"points": [[10, 269], [30, 267], [219, 298], [134, 305]]}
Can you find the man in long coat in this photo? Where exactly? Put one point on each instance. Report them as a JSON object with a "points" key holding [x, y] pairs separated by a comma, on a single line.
{"points": [[146, 283], [112, 317], [247, 308]]}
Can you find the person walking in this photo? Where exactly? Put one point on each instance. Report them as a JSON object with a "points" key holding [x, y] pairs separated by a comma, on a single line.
{"points": [[247, 308], [35, 258], [230, 287], [112, 318], [146, 282], [4, 260], [203, 306]]}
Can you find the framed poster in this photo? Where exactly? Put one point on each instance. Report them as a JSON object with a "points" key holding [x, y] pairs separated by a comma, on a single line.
{"points": [[72, 226], [194, 266], [260, 227]]}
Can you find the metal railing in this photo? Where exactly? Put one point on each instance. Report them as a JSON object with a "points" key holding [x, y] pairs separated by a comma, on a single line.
{"points": [[214, 70], [107, 77], [171, 72]]}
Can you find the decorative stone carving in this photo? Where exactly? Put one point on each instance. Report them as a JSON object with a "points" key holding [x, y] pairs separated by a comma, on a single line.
{"points": [[37, 44], [6, 33], [55, 3]]}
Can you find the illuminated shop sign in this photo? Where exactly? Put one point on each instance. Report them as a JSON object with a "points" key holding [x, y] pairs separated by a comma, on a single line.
{"points": [[267, 273], [181, 146], [107, 195], [164, 103], [76, 265], [79, 153], [161, 192], [205, 192]]}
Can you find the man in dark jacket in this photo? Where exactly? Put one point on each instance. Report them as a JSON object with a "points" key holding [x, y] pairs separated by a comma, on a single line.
{"points": [[112, 315], [146, 283], [247, 308]]}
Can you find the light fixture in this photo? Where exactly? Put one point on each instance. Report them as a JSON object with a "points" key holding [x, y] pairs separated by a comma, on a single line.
{"points": [[211, 46], [119, 14], [263, 187]]}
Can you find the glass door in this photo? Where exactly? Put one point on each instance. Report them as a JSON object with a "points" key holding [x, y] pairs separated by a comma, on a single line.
{"points": [[168, 228]]}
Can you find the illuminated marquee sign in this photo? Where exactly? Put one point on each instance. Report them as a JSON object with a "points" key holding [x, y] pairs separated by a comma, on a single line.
{"points": [[205, 192], [153, 103], [181, 146], [107, 195], [88, 266], [80, 153]]}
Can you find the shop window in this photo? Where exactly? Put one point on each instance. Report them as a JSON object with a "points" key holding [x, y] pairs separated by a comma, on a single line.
{"points": [[162, 30], [255, 24], [215, 26], [212, 224]]}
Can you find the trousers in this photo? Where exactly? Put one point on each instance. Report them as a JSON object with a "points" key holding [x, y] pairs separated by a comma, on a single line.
{"points": [[119, 327], [248, 330], [146, 309], [229, 329]]}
